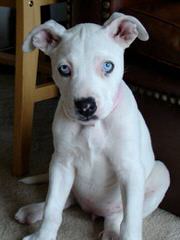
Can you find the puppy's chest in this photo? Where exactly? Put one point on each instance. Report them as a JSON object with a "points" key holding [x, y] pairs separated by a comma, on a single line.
{"points": [[90, 145]]}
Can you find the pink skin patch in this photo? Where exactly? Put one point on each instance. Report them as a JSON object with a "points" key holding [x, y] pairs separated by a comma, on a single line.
{"points": [[123, 31], [127, 30], [89, 206], [98, 61], [98, 66], [44, 38], [99, 71]]}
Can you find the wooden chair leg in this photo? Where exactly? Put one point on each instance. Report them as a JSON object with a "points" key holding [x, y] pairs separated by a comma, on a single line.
{"points": [[25, 81]]}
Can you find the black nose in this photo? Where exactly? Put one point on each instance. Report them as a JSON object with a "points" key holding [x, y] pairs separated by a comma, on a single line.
{"points": [[86, 106]]}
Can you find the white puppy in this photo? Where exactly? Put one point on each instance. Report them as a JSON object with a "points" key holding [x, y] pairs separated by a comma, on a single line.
{"points": [[103, 156]]}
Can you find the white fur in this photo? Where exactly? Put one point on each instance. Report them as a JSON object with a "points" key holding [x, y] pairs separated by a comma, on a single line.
{"points": [[107, 164]]}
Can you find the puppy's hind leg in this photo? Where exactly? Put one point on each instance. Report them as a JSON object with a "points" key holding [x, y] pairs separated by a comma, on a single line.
{"points": [[112, 226], [30, 214], [34, 212], [156, 187]]}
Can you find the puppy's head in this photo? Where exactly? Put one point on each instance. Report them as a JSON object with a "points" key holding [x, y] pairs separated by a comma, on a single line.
{"points": [[87, 62]]}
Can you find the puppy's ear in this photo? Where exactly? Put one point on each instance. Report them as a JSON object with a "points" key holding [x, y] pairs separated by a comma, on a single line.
{"points": [[44, 37], [124, 29]]}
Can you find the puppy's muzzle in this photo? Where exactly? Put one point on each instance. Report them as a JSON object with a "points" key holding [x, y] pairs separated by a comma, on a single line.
{"points": [[86, 108]]}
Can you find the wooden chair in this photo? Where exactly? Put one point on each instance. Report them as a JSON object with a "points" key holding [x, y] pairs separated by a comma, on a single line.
{"points": [[28, 15]]}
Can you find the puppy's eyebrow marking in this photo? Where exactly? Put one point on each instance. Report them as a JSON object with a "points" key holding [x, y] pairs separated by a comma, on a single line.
{"points": [[82, 33], [83, 36]]}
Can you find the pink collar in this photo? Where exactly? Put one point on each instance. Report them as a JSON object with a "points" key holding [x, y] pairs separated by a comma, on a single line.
{"points": [[117, 99]]}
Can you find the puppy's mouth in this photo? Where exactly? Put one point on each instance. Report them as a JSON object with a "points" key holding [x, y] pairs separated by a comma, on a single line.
{"points": [[88, 118], [80, 118]]}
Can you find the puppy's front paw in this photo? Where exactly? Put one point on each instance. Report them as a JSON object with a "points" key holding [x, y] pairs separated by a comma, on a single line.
{"points": [[110, 235], [31, 237], [37, 236], [129, 233]]}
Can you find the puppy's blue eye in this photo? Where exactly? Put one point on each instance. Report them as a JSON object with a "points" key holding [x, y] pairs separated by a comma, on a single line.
{"points": [[107, 67], [64, 70]]}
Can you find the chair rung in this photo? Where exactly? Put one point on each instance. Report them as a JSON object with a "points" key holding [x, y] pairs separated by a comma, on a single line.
{"points": [[45, 91], [7, 58], [48, 2]]}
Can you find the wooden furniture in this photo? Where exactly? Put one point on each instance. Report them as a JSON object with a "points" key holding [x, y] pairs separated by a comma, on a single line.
{"points": [[28, 15], [156, 78]]}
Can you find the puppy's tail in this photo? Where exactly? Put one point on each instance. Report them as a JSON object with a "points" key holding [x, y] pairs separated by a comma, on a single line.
{"points": [[42, 178]]}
